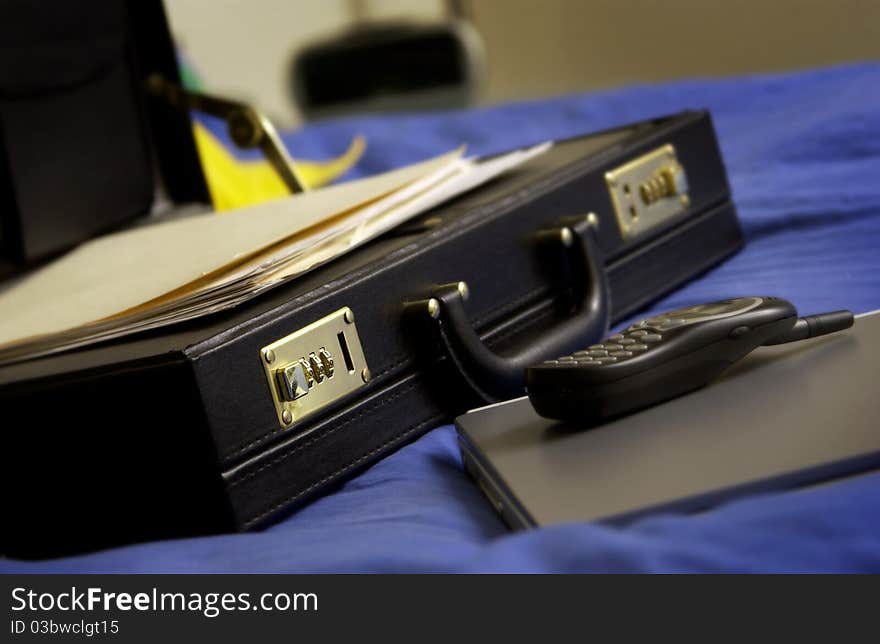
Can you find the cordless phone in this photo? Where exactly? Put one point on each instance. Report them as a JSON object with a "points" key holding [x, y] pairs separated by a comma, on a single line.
{"points": [[667, 355]]}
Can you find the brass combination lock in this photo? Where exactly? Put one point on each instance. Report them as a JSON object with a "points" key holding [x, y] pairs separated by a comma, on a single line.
{"points": [[297, 379], [648, 191], [314, 366]]}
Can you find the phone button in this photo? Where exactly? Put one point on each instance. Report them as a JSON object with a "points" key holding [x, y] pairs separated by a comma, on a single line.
{"points": [[738, 332]]}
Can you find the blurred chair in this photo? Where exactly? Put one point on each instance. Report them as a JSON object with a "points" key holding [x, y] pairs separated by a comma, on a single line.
{"points": [[382, 66]]}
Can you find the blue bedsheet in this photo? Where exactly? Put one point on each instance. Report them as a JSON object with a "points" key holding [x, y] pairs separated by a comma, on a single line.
{"points": [[803, 153]]}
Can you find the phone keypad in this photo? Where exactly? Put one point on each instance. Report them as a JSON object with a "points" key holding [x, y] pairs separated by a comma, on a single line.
{"points": [[641, 336], [632, 342]]}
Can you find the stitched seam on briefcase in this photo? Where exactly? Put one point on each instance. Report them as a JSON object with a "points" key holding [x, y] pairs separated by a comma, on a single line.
{"points": [[526, 323], [504, 308], [342, 470], [301, 446], [238, 449]]}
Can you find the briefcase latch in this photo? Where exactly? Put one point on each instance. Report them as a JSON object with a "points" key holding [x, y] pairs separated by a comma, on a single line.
{"points": [[314, 366], [648, 191]]}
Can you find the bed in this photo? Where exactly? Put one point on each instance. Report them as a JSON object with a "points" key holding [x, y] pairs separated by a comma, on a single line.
{"points": [[803, 154]]}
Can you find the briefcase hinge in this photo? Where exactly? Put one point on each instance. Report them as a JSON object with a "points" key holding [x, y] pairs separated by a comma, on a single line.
{"points": [[314, 366]]}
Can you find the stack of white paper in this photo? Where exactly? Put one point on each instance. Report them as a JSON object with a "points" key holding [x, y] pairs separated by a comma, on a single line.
{"points": [[157, 275]]}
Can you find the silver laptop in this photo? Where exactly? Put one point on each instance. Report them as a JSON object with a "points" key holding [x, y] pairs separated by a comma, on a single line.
{"points": [[783, 417]]}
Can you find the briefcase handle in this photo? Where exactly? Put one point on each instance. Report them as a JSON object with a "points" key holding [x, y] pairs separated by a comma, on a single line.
{"points": [[496, 377]]}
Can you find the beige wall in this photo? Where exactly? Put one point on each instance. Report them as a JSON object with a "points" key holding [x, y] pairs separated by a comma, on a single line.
{"points": [[539, 47], [555, 46]]}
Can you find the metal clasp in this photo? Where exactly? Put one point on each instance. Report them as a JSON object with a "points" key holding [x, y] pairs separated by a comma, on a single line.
{"points": [[314, 366]]}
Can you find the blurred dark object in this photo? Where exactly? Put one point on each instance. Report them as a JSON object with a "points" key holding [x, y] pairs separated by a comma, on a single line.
{"points": [[79, 139], [248, 127], [385, 66]]}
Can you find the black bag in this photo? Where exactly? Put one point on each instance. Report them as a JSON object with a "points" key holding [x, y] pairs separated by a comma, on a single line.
{"points": [[79, 138], [191, 429]]}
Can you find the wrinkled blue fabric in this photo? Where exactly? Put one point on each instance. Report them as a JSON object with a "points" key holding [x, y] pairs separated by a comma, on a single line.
{"points": [[803, 155]]}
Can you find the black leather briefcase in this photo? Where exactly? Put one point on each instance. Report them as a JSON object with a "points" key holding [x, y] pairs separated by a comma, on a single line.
{"points": [[227, 422]]}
